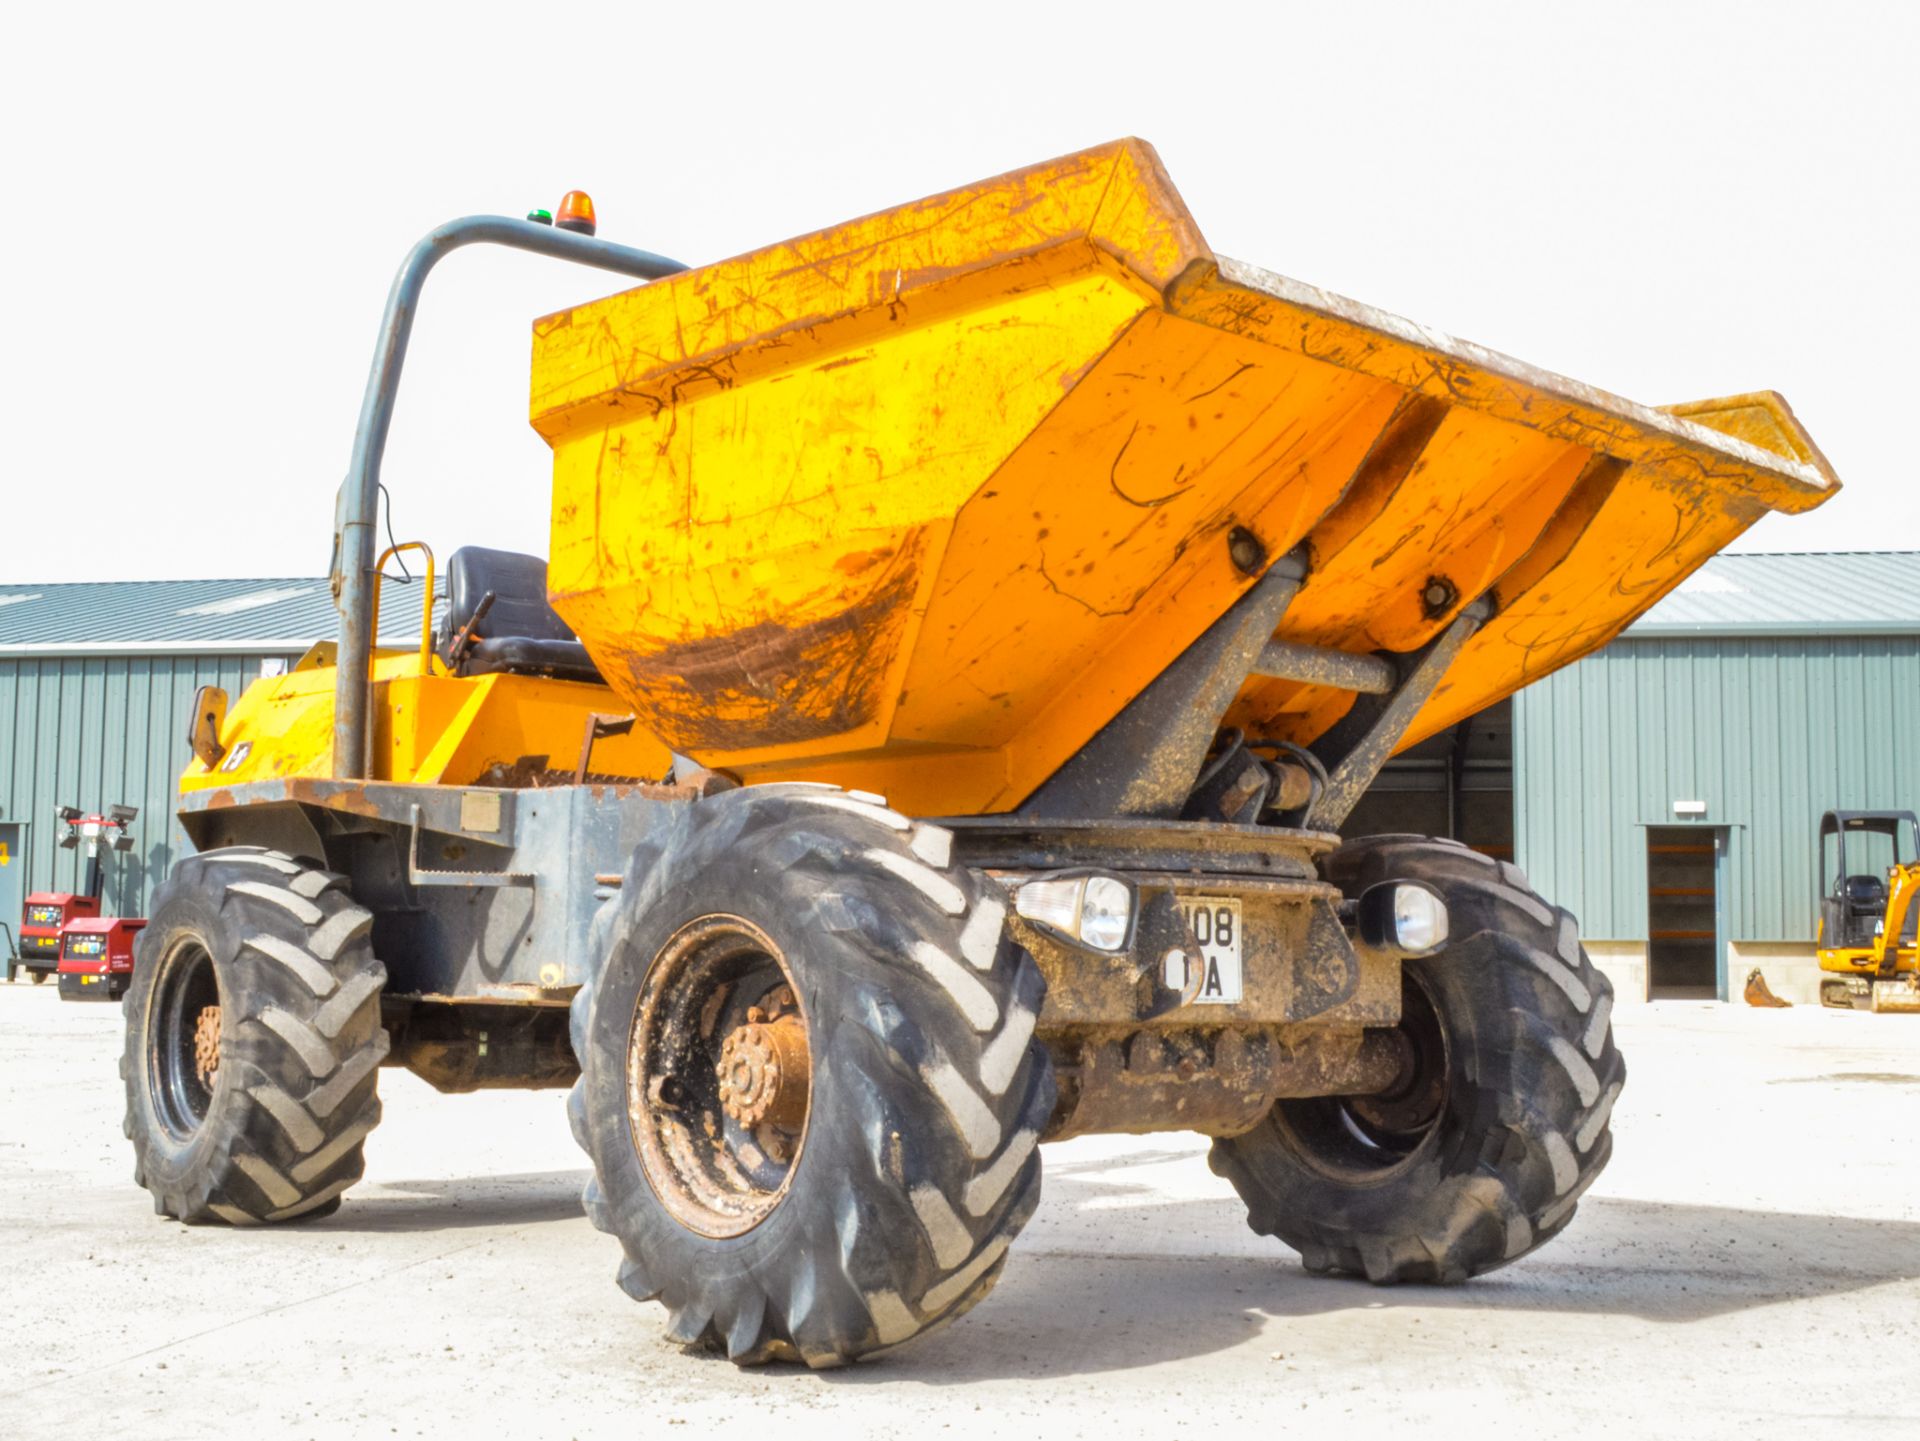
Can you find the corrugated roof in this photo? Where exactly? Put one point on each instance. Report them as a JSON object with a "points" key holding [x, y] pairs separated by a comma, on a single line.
{"points": [[181, 616], [1804, 593], [1842, 592]]}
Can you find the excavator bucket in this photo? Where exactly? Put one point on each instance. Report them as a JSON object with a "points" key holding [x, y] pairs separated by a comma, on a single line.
{"points": [[921, 502], [1902, 993]]}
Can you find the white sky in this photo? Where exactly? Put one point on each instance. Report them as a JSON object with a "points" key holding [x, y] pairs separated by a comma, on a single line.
{"points": [[1671, 201]]}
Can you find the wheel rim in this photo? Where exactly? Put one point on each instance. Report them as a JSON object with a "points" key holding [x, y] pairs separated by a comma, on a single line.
{"points": [[184, 1061], [719, 1076], [1360, 1139]]}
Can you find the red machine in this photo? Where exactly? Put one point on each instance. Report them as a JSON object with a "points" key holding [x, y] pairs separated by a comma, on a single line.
{"points": [[47, 914], [96, 957]]}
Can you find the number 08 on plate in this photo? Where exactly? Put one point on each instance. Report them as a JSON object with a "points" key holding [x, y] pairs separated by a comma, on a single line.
{"points": [[1213, 972]]}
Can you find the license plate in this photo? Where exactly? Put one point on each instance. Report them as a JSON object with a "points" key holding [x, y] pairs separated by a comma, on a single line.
{"points": [[1214, 976]]}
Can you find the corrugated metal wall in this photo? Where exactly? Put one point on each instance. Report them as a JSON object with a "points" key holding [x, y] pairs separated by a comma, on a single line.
{"points": [[89, 731], [1769, 732]]}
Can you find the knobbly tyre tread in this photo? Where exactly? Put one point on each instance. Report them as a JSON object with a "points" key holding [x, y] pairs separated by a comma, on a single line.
{"points": [[1527, 1129], [920, 1163], [301, 1041]]}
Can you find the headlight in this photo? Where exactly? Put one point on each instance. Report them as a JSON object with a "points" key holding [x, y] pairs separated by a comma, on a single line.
{"points": [[1095, 909], [1405, 916], [1106, 912]]}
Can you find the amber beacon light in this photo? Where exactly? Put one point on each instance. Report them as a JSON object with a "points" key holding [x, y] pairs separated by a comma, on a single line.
{"points": [[576, 212]]}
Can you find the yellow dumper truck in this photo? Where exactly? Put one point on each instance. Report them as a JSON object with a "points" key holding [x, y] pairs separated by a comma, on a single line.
{"points": [[1119, 569]]}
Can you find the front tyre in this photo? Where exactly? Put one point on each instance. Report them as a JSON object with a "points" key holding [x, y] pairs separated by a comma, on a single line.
{"points": [[253, 1034], [808, 1080], [1500, 1120]]}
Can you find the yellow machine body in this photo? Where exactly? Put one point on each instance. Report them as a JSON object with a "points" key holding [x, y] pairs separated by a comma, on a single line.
{"points": [[430, 728], [920, 502]]}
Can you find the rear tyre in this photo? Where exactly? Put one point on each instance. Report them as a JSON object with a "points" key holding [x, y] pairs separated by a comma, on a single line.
{"points": [[39, 977], [808, 1081], [1500, 1122], [253, 1036]]}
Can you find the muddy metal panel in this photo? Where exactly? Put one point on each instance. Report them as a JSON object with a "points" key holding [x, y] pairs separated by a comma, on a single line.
{"points": [[920, 502], [495, 891]]}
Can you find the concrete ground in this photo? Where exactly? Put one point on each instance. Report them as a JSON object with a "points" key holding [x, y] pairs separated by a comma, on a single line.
{"points": [[1749, 1266]]}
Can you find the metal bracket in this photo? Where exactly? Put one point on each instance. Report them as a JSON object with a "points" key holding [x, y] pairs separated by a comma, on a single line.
{"points": [[419, 876], [1359, 744], [599, 725], [1317, 665], [1145, 760]]}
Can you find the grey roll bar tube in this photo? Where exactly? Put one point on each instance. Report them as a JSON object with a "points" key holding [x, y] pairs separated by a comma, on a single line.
{"points": [[357, 509]]}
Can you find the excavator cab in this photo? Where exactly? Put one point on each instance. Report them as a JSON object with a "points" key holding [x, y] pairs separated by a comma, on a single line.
{"points": [[1869, 874]]}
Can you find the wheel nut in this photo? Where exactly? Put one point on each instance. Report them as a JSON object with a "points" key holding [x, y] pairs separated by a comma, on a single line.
{"points": [[764, 1073], [206, 1045]]}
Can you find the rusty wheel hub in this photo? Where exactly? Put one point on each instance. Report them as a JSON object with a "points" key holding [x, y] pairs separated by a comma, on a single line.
{"points": [[719, 1075], [206, 1045], [764, 1071]]}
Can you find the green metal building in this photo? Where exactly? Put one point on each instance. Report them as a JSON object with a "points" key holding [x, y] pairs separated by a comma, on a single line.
{"points": [[1668, 789], [96, 682]]}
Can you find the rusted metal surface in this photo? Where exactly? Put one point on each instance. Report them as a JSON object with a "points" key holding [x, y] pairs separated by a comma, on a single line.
{"points": [[1293, 786], [552, 997], [206, 1045], [534, 773], [1017, 843], [1298, 961], [203, 733], [479, 1046], [384, 800], [1220, 1081], [717, 1174], [598, 725], [765, 1073]]}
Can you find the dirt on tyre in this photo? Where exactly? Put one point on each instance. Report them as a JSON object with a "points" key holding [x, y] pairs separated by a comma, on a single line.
{"points": [[808, 1081], [1500, 1121], [252, 1040]]}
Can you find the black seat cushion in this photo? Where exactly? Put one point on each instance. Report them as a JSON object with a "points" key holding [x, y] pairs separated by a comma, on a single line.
{"points": [[523, 655], [1866, 893], [520, 633]]}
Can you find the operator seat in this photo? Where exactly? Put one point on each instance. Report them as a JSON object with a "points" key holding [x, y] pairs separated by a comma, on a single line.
{"points": [[518, 633], [1867, 895]]}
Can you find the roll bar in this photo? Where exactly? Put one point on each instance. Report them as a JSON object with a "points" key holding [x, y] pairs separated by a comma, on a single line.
{"points": [[356, 510]]}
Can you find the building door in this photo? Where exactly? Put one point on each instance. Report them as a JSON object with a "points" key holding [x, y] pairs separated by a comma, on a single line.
{"points": [[1683, 912]]}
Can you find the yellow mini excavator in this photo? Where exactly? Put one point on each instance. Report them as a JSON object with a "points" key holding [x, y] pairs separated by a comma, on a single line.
{"points": [[1869, 905]]}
